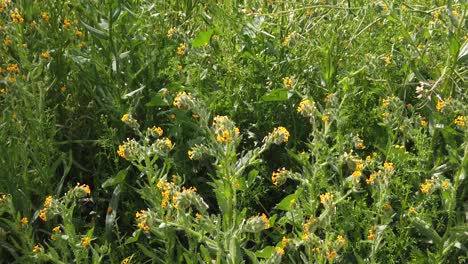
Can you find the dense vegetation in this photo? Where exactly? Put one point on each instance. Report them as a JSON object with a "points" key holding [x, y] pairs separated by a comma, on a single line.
{"points": [[233, 131]]}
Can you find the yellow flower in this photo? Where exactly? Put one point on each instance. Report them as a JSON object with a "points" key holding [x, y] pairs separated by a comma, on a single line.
{"points": [[12, 68], [48, 201], [125, 118], [331, 254], [45, 16], [79, 34], [326, 198], [460, 121], [121, 152], [266, 221], [181, 50], [325, 119], [445, 184], [198, 216], [7, 42], [82, 44], [45, 55], [356, 174], [279, 251], [17, 18], [288, 82], [426, 187], [63, 89], [411, 210], [371, 235], [158, 130], [24, 220], [125, 261], [85, 241], [387, 59], [43, 214], [171, 32], [57, 229], [66, 23], [306, 108], [284, 242], [36, 249], [280, 135], [341, 239]]}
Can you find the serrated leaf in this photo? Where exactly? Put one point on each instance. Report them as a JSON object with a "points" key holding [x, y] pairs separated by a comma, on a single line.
{"points": [[202, 38], [275, 95]]}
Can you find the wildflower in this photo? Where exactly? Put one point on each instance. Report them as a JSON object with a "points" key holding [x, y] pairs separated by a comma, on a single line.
{"points": [[45, 16], [356, 174], [66, 23], [82, 44], [368, 158], [331, 254], [370, 234], [387, 59], [198, 216], [171, 32], [279, 251], [372, 178], [266, 221], [141, 218], [121, 152], [158, 130], [279, 135], [63, 89], [284, 242], [306, 108], [83, 188], [79, 34], [279, 177], [195, 116], [288, 38], [36, 249], [125, 118], [388, 167], [85, 241], [436, 15], [12, 79], [288, 82], [445, 184], [7, 42], [129, 120], [441, 104], [57, 229], [16, 18], [45, 55], [24, 220], [179, 67], [459, 121], [387, 206], [13, 68], [341, 239], [183, 100], [325, 119], [125, 261], [326, 199], [181, 50], [411, 210], [48, 201], [426, 187], [3, 198], [43, 214]]}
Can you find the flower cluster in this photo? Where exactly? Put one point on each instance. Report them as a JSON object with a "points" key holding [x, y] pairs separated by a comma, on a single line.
{"points": [[183, 100], [257, 224], [306, 108], [182, 49], [279, 177], [141, 218], [288, 82], [16, 18], [326, 199], [80, 191], [48, 204], [167, 190], [278, 136], [460, 121], [130, 121], [224, 129]]}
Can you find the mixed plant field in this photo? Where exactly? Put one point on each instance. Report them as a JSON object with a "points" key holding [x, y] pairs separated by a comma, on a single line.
{"points": [[202, 131]]}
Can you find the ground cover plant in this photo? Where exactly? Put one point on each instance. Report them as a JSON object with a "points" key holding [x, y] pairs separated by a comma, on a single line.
{"points": [[199, 131]]}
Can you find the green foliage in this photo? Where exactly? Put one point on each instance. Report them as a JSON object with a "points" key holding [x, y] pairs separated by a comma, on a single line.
{"points": [[325, 131]]}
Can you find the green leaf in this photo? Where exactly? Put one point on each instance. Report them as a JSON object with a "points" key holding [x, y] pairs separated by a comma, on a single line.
{"points": [[251, 255], [275, 95], [157, 100], [202, 38], [120, 177], [267, 252], [98, 33], [285, 204], [463, 55]]}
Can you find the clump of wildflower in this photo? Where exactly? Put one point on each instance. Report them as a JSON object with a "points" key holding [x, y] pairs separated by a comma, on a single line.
{"points": [[306, 108], [426, 187], [24, 221], [279, 251], [130, 121], [85, 241], [288, 82], [183, 100], [388, 167], [48, 204], [129, 150], [161, 146], [196, 152], [171, 31], [66, 24], [279, 177], [16, 18], [257, 224], [141, 218], [326, 199], [181, 50], [278, 136], [45, 16], [460, 121], [156, 131]]}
